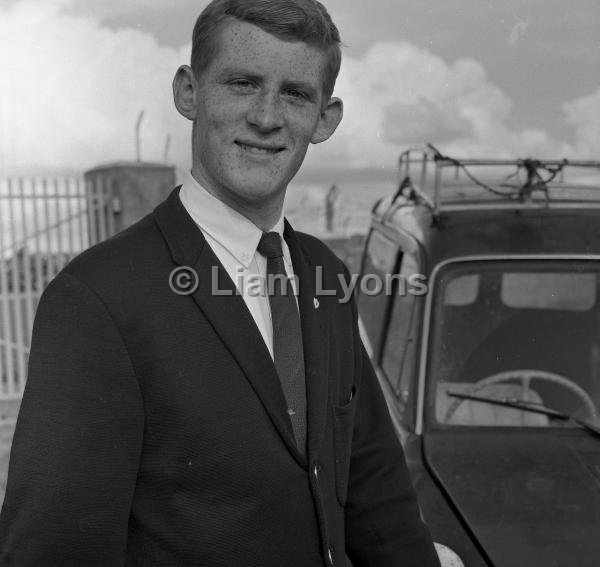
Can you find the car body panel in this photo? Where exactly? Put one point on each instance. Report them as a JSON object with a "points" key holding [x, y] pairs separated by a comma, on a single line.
{"points": [[530, 499]]}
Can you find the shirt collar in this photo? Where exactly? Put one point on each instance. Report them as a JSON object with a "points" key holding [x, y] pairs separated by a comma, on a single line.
{"points": [[230, 229]]}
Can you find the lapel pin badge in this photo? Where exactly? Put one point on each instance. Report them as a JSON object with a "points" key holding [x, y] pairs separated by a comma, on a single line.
{"points": [[316, 302]]}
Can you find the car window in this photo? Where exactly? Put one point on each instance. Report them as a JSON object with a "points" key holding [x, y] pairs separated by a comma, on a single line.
{"points": [[574, 292], [380, 261], [399, 336], [527, 330], [462, 290]]}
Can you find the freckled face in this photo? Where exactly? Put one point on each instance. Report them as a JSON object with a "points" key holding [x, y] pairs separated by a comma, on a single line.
{"points": [[258, 106]]}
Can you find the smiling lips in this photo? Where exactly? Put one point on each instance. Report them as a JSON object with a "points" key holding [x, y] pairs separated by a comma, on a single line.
{"points": [[259, 149]]}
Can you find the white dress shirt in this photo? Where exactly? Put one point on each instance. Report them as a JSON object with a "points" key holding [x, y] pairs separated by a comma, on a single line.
{"points": [[234, 238]]}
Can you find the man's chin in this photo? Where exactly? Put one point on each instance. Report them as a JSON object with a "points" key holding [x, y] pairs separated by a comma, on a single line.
{"points": [[261, 187], [262, 195]]}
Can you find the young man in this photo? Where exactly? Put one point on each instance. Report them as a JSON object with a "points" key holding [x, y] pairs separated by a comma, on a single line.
{"points": [[168, 422]]}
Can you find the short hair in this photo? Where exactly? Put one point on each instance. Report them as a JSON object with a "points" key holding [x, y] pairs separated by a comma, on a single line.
{"points": [[290, 20]]}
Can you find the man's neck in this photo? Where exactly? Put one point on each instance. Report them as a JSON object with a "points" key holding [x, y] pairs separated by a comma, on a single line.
{"points": [[263, 215]]}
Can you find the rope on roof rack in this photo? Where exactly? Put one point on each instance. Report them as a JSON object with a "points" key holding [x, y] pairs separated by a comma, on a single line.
{"points": [[407, 190], [438, 156], [535, 181], [405, 184]]}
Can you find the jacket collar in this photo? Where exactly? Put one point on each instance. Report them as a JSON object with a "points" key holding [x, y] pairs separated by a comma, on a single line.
{"points": [[233, 322]]}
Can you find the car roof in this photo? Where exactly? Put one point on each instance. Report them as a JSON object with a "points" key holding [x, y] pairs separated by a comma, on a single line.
{"points": [[469, 208]]}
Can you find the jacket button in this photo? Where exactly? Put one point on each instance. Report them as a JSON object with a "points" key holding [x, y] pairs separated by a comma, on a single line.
{"points": [[316, 471]]}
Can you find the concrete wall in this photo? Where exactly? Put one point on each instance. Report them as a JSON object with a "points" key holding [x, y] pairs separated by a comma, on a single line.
{"points": [[133, 189]]}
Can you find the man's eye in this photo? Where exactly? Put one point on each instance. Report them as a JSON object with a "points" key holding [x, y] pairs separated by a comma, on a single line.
{"points": [[296, 94], [241, 84]]}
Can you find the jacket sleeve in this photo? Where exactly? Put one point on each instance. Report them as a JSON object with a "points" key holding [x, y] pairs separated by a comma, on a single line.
{"points": [[78, 438], [383, 521]]}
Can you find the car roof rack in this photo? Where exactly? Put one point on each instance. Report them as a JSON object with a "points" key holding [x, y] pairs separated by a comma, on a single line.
{"points": [[444, 183]]}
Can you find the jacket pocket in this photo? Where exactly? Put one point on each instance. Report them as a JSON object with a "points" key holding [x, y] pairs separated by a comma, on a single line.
{"points": [[343, 426]]}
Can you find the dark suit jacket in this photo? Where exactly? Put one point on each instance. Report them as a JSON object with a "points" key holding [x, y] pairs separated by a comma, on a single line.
{"points": [[153, 429]]}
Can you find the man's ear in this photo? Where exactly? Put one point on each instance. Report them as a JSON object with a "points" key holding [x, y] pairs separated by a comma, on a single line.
{"points": [[185, 91], [330, 117]]}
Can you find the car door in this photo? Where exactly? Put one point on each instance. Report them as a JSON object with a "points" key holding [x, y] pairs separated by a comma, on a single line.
{"points": [[389, 320]]}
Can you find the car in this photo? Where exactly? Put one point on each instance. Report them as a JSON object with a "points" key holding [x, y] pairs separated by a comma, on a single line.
{"points": [[479, 304]]}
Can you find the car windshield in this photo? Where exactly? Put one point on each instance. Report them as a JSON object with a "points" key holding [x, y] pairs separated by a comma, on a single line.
{"points": [[519, 330]]}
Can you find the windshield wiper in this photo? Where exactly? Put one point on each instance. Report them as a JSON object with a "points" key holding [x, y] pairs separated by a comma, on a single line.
{"points": [[533, 407]]}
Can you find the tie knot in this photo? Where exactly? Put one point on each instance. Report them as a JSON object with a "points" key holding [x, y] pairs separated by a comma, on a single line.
{"points": [[270, 245]]}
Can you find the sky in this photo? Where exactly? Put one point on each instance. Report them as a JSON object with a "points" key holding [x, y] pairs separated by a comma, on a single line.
{"points": [[473, 77]]}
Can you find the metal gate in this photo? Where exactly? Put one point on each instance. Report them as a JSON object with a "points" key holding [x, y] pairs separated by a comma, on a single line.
{"points": [[44, 223]]}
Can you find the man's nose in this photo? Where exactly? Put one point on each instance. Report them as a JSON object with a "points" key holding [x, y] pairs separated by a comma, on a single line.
{"points": [[266, 113]]}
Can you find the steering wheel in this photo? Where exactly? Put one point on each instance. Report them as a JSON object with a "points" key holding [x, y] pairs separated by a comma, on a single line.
{"points": [[526, 375]]}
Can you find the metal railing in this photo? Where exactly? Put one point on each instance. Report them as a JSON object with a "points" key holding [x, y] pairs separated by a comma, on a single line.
{"points": [[44, 223]]}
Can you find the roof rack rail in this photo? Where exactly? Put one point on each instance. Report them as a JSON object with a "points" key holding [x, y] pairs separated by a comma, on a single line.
{"points": [[444, 183]]}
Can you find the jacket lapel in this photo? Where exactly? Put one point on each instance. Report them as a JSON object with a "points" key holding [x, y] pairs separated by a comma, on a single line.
{"points": [[313, 317], [227, 312]]}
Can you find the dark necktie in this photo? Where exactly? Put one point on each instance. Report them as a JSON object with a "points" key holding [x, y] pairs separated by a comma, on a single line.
{"points": [[287, 335]]}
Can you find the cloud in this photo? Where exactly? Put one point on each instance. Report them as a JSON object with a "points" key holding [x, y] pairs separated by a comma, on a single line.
{"points": [[115, 8], [583, 114], [398, 95], [72, 90]]}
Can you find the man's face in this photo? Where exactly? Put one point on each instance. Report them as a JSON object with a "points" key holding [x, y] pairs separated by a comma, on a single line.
{"points": [[256, 108]]}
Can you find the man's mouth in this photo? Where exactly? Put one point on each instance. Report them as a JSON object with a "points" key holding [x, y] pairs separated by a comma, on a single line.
{"points": [[259, 149]]}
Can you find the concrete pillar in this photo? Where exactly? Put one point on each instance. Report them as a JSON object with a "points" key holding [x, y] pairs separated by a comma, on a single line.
{"points": [[119, 194]]}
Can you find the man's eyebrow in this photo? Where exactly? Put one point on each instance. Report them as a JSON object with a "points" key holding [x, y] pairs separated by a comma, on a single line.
{"points": [[231, 71]]}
